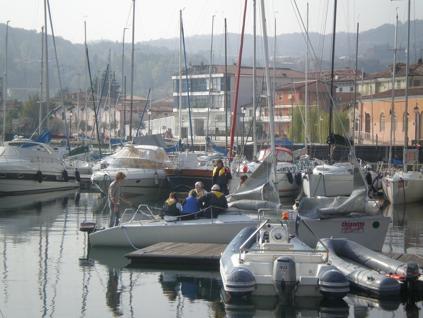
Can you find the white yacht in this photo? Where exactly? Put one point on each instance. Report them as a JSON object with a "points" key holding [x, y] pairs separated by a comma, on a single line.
{"points": [[143, 166], [267, 261], [329, 180], [403, 187], [27, 166]]}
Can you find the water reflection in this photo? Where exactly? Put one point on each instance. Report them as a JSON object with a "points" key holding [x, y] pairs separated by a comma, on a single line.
{"points": [[406, 233]]}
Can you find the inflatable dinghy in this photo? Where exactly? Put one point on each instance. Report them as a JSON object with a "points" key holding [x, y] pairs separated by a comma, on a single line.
{"points": [[370, 271]]}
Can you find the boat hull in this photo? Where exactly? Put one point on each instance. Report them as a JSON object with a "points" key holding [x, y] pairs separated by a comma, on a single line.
{"points": [[369, 231], [196, 231], [184, 179], [16, 187], [406, 189]]}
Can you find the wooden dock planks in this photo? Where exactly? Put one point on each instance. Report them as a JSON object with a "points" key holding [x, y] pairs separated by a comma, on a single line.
{"points": [[171, 253]]}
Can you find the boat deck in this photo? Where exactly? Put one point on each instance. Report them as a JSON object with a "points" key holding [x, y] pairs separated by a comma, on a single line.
{"points": [[171, 253]]}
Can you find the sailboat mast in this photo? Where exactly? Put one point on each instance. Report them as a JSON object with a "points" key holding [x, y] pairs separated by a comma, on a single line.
{"points": [[394, 68], [407, 66], [123, 95], [306, 85], [268, 92], [234, 115], [226, 86], [5, 82], [47, 96], [254, 77], [355, 86], [210, 84], [332, 91], [132, 70], [180, 75], [40, 110]]}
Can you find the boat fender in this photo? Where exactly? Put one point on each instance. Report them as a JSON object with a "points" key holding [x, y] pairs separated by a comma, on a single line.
{"points": [[240, 282], [77, 175], [298, 179], [65, 176], [290, 177], [284, 275], [333, 284], [38, 176]]}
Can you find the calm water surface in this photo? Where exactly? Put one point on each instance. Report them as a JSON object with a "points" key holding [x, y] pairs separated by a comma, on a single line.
{"points": [[43, 272]]}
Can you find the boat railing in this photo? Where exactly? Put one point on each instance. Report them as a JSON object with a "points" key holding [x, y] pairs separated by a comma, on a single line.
{"points": [[243, 246], [143, 210]]}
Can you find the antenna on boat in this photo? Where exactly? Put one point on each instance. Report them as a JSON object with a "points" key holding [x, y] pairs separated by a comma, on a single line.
{"points": [[407, 67], [332, 92], [226, 86], [210, 84], [4, 97], [254, 77], [132, 69]]}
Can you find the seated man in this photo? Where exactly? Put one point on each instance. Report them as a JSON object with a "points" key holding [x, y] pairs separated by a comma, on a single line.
{"points": [[172, 207], [190, 206], [214, 202]]}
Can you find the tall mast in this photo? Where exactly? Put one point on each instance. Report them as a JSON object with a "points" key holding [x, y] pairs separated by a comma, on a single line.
{"points": [[394, 68], [132, 70], [123, 97], [5, 83], [268, 92], [210, 83], [254, 78], [274, 63], [237, 76], [47, 97], [109, 98], [180, 76], [332, 91], [407, 66], [306, 85], [355, 86], [226, 86], [40, 111]]}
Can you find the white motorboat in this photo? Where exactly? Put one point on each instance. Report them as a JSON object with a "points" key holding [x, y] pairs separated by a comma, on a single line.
{"points": [[27, 166], [146, 228], [329, 180], [143, 166], [403, 187], [267, 261], [356, 218]]}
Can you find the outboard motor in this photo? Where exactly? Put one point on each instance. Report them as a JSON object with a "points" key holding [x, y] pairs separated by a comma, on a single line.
{"points": [[333, 284], [284, 275], [240, 282]]}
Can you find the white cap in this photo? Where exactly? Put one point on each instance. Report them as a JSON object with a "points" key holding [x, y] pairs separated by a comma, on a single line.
{"points": [[215, 187]]}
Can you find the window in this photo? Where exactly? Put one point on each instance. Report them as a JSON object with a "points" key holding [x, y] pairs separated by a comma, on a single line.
{"points": [[382, 122], [367, 124]]}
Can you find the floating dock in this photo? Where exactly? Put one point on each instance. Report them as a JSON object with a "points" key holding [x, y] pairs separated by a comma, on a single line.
{"points": [[208, 255], [171, 253]]}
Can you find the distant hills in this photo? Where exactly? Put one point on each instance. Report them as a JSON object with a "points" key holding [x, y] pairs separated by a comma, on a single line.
{"points": [[157, 60]]}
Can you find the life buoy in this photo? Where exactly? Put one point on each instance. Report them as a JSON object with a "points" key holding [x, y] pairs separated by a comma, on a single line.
{"points": [[290, 177], [77, 176], [38, 176], [65, 176], [298, 178]]}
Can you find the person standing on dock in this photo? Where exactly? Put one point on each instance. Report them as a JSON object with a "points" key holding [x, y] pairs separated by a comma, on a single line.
{"points": [[221, 176], [114, 197]]}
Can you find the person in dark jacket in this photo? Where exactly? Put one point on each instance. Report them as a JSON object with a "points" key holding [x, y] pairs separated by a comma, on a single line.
{"points": [[214, 202], [190, 206], [221, 176], [172, 207]]}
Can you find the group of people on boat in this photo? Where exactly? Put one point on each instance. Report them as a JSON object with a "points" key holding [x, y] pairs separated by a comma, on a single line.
{"points": [[198, 203]]}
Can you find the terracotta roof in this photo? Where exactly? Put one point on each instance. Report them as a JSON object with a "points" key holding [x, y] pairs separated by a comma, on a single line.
{"points": [[414, 70], [300, 86], [343, 74]]}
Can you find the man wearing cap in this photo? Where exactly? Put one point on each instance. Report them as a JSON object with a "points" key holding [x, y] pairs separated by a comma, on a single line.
{"points": [[214, 202]]}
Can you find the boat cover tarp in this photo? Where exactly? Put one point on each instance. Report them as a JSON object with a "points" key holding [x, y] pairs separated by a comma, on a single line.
{"points": [[152, 140], [258, 186], [325, 207]]}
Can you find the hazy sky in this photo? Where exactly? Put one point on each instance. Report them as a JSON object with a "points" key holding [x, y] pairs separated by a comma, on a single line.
{"points": [[159, 18]]}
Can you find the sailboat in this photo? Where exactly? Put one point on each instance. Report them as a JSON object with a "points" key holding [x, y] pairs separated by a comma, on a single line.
{"points": [[330, 179], [404, 186]]}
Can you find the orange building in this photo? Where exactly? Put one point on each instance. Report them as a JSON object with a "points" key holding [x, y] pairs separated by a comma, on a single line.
{"points": [[373, 118]]}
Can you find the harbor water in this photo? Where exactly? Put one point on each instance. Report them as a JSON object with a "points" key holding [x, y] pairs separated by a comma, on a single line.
{"points": [[45, 271]]}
